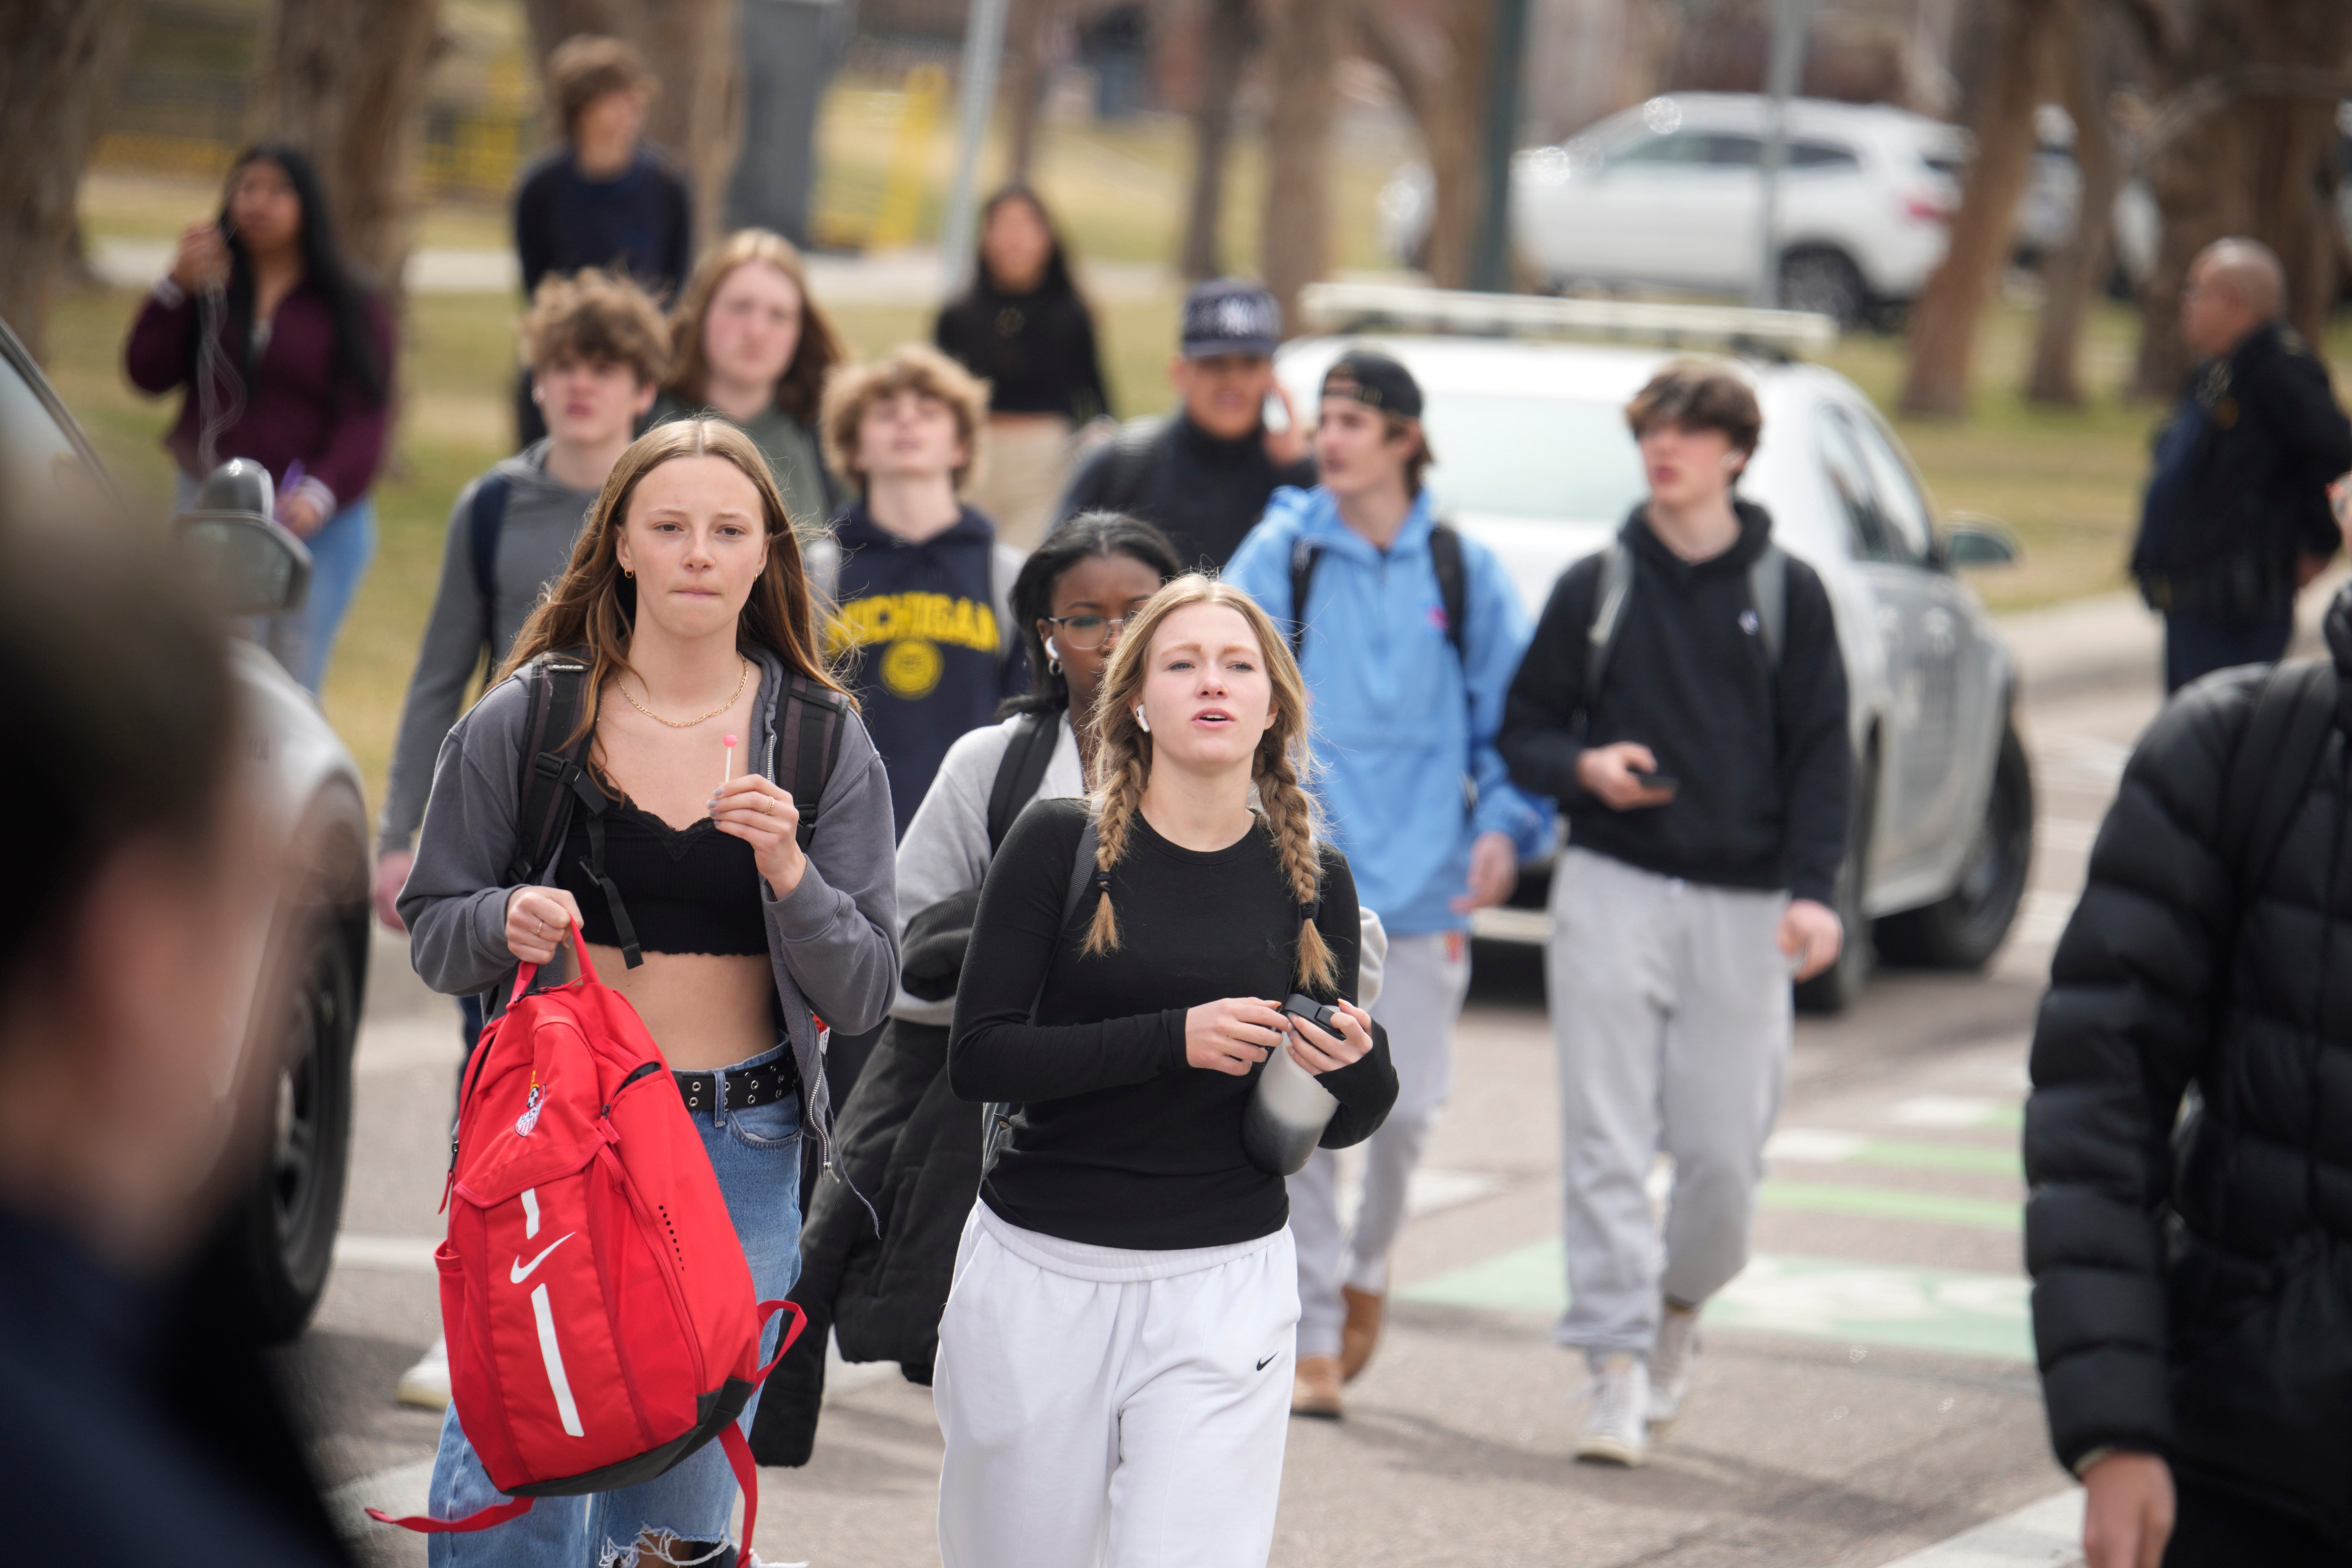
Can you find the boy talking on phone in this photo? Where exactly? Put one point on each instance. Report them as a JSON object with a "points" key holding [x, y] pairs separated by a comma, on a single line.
{"points": [[1686, 702]]}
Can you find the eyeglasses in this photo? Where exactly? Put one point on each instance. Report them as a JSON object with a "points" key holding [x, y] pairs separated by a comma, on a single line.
{"points": [[1088, 632]]}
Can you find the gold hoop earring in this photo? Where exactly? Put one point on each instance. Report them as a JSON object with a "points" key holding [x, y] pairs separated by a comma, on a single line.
{"points": [[629, 572]]}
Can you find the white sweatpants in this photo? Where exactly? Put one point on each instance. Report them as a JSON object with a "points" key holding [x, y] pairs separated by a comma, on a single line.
{"points": [[1670, 1007], [1421, 988], [1106, 1408]]}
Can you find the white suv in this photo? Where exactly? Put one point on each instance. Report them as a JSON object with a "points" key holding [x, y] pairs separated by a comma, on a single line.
{"points": [[1669, 195]]}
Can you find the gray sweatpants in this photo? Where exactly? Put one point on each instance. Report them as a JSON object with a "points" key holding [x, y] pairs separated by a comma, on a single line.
{"points": [[1421, 988], [1670, 1007]]}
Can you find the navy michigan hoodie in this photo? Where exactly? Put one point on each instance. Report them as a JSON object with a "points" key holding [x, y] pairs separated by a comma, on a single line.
{"points": [[932, 652]]}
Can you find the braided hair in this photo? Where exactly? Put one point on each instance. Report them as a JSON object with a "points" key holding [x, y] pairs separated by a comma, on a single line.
{"points": [[1280, 769]]}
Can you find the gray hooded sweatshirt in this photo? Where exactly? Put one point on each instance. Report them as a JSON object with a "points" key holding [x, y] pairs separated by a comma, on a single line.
{"points": [[544, 516], [833, 940]]}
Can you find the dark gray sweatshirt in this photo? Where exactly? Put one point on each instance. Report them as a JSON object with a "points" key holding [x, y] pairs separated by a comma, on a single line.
{"points": [[544, 516], [833, 940]]}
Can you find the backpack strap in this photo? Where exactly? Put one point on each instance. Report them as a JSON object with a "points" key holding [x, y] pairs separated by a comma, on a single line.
{"points": [[1020, 771], [1768, 590], [2271, 769], [809, 720], [1452, 587], [486, 520], [1607, 614], [558, 684], [592, 797], [1304, 555]]}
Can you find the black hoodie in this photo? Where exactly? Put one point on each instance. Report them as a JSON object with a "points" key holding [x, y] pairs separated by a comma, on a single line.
{"points": [[1763, 764]]}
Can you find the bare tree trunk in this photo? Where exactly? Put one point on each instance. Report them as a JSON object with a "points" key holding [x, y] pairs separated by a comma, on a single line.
{"points": [[1944, 319], [1224, 55], [2073, 276], [695, 47], [1442, 75], [1296, 242], [61, 61], [344, 81], [1027, 31], [2244, 145]]}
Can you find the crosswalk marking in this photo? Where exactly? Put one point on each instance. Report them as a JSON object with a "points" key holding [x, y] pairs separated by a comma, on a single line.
{"points": [[1823, 1146], [1891, 1202], [1952, 1310]]}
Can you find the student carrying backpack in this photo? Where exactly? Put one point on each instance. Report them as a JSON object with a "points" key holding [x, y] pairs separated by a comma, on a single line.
{"points": [[742, 919]]}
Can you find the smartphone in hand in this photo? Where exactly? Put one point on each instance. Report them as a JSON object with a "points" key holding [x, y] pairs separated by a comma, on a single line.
{"points": [[1655, 781]]}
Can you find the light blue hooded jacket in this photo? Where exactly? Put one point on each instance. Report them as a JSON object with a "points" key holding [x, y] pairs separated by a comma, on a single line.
{"points": [[1398, 730]]}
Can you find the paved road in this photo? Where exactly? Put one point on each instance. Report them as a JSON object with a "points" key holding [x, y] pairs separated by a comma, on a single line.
{"points": [[1868, 1389]]}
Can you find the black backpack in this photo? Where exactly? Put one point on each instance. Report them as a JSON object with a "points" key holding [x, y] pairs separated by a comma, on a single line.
{"points": [[1444, 559], [809, 721], [1020, 770], [487, 515]]}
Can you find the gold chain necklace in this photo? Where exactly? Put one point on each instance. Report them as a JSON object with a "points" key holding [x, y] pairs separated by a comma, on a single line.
{"points": [[742, 680]]}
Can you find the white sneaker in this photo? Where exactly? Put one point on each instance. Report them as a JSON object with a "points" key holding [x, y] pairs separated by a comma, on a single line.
{"points": [[1671, 1364], [1616, 1429], [426, 1384]]}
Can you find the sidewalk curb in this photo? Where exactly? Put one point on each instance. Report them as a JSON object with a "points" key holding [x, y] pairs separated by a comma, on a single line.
{"points": [[2112, 639]]}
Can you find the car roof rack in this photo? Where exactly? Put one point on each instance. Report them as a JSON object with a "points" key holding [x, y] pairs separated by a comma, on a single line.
{"points": [[1727, 328]]}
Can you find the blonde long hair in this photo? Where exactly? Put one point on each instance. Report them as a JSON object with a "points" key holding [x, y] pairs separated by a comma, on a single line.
{"points": [[594, 608], [1280, 769]]}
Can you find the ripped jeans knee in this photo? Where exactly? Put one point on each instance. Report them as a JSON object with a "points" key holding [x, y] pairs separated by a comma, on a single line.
{"points": [[655, 1548]]}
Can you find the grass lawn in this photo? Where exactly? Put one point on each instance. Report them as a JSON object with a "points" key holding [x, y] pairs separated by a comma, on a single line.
{"points": [[2067, 481]]}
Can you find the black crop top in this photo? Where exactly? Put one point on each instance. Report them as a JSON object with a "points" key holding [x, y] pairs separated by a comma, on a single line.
{"points": [[692, 891]]}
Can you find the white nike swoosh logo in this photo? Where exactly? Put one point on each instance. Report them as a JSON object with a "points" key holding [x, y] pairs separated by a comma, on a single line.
{"points": [[523, 1271]]}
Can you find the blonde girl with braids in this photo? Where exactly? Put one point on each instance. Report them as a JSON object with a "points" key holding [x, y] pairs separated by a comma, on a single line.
{"points": [[1114, 1360]]}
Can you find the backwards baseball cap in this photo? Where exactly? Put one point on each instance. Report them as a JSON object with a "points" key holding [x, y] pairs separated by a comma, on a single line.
{"points": [[1374, 380], [1228, 316]]}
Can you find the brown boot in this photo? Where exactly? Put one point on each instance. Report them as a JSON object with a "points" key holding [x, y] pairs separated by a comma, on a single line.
{"points": [[1314, 1387], [1362, 1333]]}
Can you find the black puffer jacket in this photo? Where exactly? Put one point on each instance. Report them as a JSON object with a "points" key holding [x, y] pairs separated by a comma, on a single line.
{"points": [[2193, 1274]]}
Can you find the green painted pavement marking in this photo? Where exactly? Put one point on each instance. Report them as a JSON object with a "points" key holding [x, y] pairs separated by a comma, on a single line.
{"points": [[1955, 1312], [1973, 1157], [1892, 1203]]}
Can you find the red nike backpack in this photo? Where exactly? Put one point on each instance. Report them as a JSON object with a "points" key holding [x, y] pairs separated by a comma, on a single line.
{"points": [[600, 1314]]}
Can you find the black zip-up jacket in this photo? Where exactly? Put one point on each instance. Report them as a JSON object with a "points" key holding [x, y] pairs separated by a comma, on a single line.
{"points": [[2193, 1277], [1763, 760], [2256, 483], [1203, 491]]}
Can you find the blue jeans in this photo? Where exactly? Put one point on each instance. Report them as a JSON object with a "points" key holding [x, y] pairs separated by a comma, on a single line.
{"points": [[340, 553], [757, 1155]]}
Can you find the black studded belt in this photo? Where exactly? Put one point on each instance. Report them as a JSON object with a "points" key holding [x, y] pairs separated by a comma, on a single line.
{"points": [[745, 1086]]}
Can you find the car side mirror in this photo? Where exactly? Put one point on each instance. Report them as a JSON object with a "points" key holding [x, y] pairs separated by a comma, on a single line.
{"points": [[1974, 540], [249, 564]]}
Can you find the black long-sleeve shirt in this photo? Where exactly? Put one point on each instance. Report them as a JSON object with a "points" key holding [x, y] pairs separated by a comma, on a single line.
{"points": [[1763, 760], [1036, 350], [1122, 1143]]}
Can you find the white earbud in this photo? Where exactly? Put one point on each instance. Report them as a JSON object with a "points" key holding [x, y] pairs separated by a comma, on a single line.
{"points": [[1053, 652], [1141, 722]]}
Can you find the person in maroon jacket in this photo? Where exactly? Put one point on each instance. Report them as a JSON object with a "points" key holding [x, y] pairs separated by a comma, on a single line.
{"points": [[287, 359]]}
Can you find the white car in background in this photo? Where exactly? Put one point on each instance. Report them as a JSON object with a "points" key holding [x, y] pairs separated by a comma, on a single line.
{"points": [[1534, 460], [1669, 195]]}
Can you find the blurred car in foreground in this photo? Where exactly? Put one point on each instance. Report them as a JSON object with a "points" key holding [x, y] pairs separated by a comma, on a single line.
{"points": [[1533, 458], [301, 1002]]}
